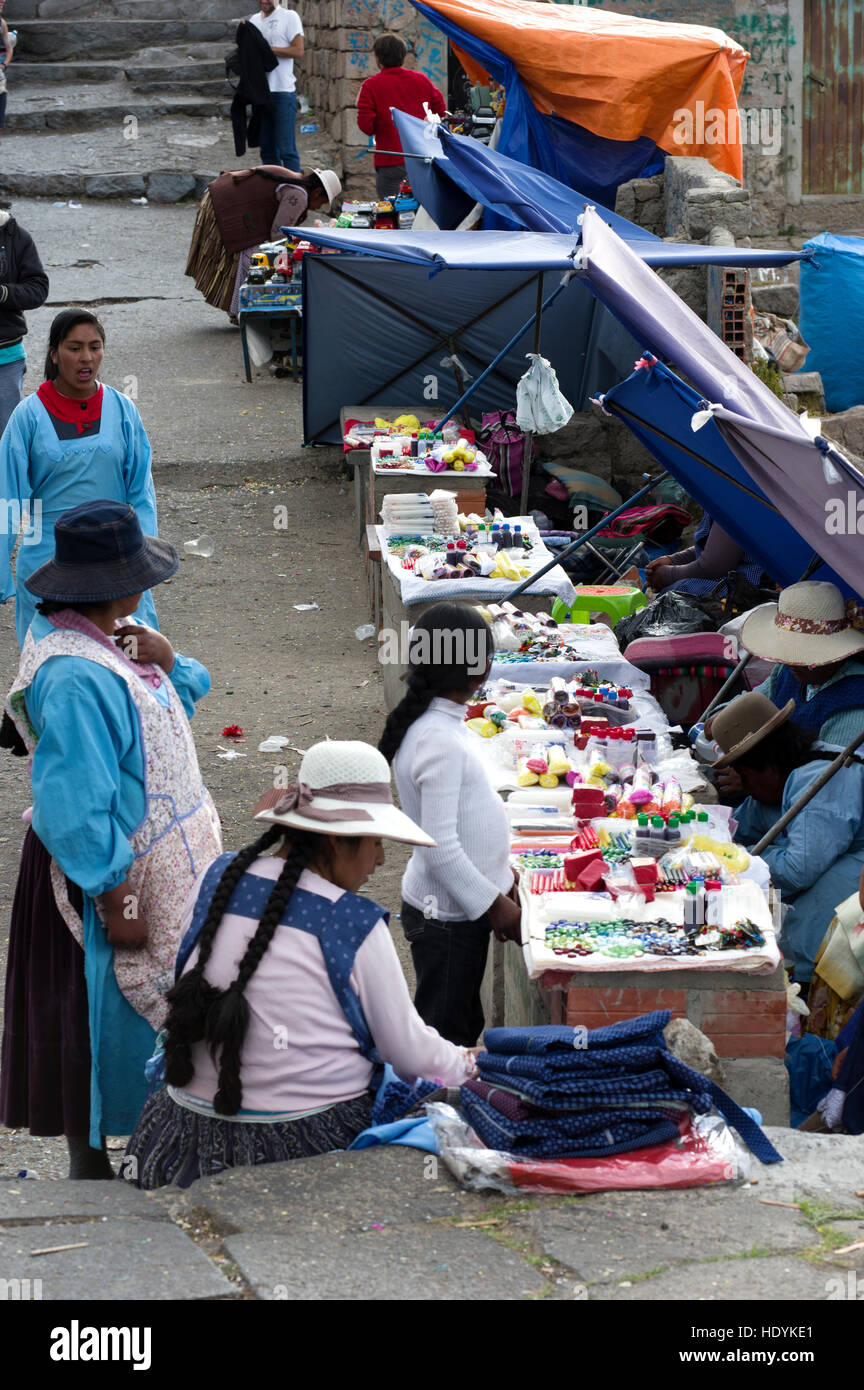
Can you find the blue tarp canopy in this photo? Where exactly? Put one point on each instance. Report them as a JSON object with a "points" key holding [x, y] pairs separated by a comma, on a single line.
{"points": [[658, 407], [450, 173], [439, 307], [526, 252]]}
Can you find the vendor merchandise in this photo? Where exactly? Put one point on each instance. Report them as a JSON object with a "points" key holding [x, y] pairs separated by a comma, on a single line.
{"points": [[547, 1092]]}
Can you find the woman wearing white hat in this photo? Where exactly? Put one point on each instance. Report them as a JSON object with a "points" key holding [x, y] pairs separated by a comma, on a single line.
{"points": [[816, 862], [819, 659], [291, 992]]}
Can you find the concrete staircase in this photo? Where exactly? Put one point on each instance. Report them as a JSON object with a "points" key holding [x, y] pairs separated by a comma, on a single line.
{"points": [[112, 98]]}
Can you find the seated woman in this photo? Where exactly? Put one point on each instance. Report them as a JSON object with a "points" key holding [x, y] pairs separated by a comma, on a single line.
{"points": [[700, 569], [816, 861], [291, 991]]}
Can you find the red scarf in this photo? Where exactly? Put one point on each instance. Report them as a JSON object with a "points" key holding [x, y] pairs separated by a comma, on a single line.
{"points": [[72, 412]]}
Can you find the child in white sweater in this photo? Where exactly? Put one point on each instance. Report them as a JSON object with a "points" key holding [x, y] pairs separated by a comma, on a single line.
{"points": [[462, 889]]}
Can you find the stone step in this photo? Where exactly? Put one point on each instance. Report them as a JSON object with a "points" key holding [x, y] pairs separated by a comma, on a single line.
{"points": [[26, 73], [80, 117], [217, 91], [57, 40], [208, 70], [128, 9]]}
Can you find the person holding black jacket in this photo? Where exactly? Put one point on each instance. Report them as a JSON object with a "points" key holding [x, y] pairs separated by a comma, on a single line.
{"points": [[23, 285]]}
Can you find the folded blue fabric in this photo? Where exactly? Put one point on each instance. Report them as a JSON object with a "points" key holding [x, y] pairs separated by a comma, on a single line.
{"points": [[599, 1073], [571, 1092], [555, 1037], [586, 1136], [618, 1061]]}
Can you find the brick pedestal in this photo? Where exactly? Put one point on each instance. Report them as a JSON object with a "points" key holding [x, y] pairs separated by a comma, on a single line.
{"points": [[743, 1015]]}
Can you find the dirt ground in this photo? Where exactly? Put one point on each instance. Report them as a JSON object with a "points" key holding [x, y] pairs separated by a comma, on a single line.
{"points": [[274, 670]]}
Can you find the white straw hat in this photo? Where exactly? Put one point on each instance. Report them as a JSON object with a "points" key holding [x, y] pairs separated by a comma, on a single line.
{"points": [[343, 788], [332, 185], [808, 626]]}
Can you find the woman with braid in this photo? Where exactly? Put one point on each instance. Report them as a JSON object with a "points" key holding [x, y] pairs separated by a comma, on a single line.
{"points": [[462, 888], [289, 990]]}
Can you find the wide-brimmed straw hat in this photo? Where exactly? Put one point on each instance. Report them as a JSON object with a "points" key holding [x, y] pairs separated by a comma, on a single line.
{"points": [[745, 722], [101, 553], [808, 626], [342, 788], [332, 185]]}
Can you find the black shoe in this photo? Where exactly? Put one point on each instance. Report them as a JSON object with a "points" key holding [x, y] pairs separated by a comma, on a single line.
{"points": [[85, 1163], [5, 204]]}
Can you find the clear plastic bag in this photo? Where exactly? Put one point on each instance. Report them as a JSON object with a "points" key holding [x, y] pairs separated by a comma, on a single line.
{"points": [[707, 1152]]}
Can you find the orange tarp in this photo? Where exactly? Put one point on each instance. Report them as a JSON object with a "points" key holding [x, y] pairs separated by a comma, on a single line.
{"points": [[616, 75]]}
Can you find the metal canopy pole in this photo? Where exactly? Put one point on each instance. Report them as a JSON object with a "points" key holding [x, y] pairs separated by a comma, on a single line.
{"points": [[501, 355], [580, 540], [842, 758]]}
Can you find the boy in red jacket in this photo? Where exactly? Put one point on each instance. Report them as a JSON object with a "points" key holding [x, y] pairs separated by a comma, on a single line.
{"points": [[393, 85]]}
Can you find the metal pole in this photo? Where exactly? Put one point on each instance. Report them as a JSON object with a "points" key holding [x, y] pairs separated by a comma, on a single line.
{"points": [[727, 685], [845, 757], [501, 355], [580, 540]]}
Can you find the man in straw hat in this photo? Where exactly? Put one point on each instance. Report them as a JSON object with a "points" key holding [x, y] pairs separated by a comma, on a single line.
{"points": [[819, 663], [816, 861]]}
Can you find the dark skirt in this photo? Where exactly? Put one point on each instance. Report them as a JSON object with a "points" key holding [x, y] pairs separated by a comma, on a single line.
{"points": [[174, 1145], [45, 1069]]}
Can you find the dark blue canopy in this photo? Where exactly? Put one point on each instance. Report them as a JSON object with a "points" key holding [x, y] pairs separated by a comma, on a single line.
{"points": [[659, 407]]}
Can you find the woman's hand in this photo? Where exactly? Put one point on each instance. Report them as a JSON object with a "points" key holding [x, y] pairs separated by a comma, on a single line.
{"points": [[145, 645], [505, 918], [122, 918], [838, 1063], [728, 780]]}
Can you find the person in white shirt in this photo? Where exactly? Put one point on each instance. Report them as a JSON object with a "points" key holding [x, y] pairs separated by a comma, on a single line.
{"points": [[283, 31], [458, 891]]}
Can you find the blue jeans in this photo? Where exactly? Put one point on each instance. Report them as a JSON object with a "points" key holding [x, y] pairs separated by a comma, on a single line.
{"points": [[11, 381], [278, 131]]}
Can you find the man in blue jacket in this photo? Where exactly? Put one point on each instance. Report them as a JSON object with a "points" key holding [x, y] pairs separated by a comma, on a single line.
{"points": [[23, 285]]}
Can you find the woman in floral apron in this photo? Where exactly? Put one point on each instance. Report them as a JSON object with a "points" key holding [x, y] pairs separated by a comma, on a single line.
{"points": [[121, 826]]}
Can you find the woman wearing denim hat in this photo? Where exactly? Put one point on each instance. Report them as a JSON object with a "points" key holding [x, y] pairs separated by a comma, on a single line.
{"points": [[121, 826], [291, 993]]}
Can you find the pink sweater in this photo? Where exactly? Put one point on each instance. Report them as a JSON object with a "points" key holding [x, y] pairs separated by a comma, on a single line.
{"points": [[300, 1053]]}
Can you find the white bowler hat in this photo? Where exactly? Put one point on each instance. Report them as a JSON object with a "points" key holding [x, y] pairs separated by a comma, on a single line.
{"points": [[332, 185], [343, 788], [808, 626]]}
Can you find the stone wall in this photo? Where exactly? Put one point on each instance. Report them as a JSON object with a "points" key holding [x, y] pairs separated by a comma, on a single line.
{"points": [[339, 39]]}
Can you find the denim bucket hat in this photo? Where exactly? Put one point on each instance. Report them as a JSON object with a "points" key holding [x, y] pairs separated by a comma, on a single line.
{"points": [[100, 554]]}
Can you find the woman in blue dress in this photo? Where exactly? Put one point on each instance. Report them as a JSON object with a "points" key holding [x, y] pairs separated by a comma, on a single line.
{"points": [[122, 826], [74, 440]]}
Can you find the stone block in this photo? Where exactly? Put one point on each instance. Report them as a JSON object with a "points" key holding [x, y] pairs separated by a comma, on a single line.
{"points": [[691, 1046], [114, 186], [780, 299], [827, 1167], [618, 1235], [169, 185], [761, 1082], [724, 1281], [846, 428], [441, 1263], [166, 1263], [22, 1202], [809, 389]]}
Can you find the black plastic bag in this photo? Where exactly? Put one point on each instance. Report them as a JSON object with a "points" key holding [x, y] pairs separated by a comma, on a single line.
{"points": [[670, 615]]}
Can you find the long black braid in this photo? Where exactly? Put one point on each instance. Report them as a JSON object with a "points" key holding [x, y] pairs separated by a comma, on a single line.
{"points": [[451, 646], [198, 1011]]}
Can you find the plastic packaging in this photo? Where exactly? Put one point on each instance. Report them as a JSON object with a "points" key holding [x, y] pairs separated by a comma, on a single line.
{"points": [[706, 1152], [202, 545], [670, 615]]}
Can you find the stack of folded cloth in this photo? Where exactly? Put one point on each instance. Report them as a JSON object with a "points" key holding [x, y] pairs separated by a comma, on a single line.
{"points": [[557, 1092]]}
